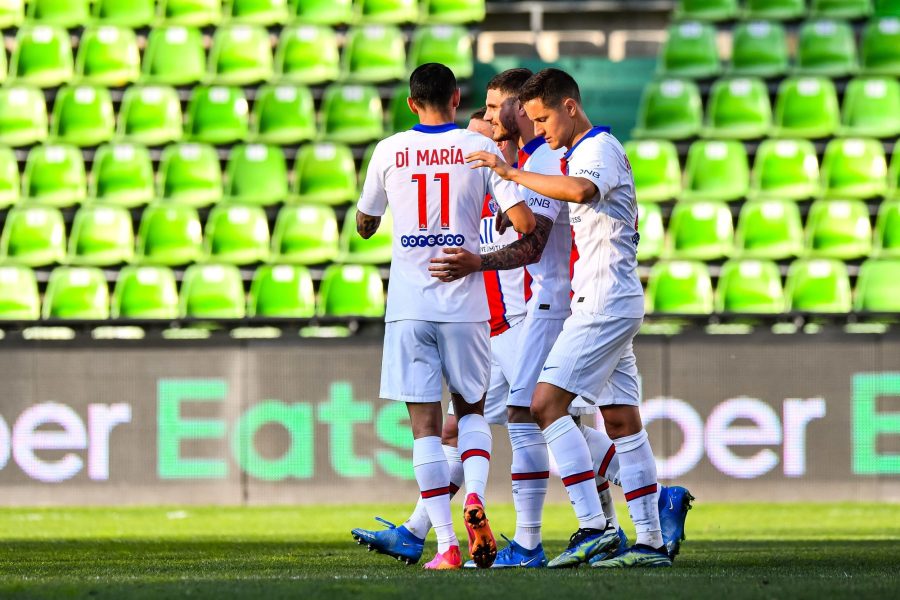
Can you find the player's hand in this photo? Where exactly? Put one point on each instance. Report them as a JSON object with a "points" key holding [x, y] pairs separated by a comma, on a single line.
{"points": [[502, 222], [455, 264], [490, 161]]}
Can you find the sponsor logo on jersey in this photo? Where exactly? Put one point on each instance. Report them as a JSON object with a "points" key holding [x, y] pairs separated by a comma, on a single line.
{"points": [[430, 241], [542, 202], [636, 238]]}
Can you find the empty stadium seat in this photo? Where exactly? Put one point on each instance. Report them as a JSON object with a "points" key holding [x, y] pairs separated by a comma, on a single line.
{"points": [[259, 12], [716, 170], [305, 234], [307, 54], [826, 48], [282, 291], [887, 8], [108, 55], [769, 228], [241, 54], [101, 236], [750, 286], [351, 291], [325, 173], [237, 234], [212, 291], [170, 234], [19, 299], [351, 114], [3, 67], [256, 174], [190, 174], [657, 172], [839, 229], [453, 11], [76, 293], [785, 169], [42, 57], [401, 117], [679, 287], [55, 175], [12, 13], [777, 10], [854, 168], [23, 116], [669, 109], [445, 44], [324, 12], [388, 11], [887, 230], [700, 231], [880, 47], [707, 10], [738, 109], [122, 175], [373, 251], [759, 49], [841, 9], [807, 107], [818, 285], [33, 235], [690, 51], [145, 292], [871, 108], [374, 54], [283, 114], [150, 115], [10, 186], [876, 286], [197, 13], [63, 13], [83, 115], [174, 56], [134, 13], [217, 115], [653, 233], [894, 174]]}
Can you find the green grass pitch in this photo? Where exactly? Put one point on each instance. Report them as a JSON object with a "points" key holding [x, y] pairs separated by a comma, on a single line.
{"points": [[733, 551]]}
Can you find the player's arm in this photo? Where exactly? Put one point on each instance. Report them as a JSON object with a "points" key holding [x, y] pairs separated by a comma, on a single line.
{"points": [[366, 225], [521, 217], [560, 187]]}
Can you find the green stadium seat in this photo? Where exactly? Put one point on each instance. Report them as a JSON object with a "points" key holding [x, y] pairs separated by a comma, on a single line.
{"points": [[150, 115], [34, 236], [324, 12], [769, 228], [453, 11], [653, 233], [240, 55], [445, 44], [63, 13], [374, 54], [42, 57], [122, 175], [101, 236], [657, 172], [854, 168], [10, 186], [134, 13], [750, 286], [351, 114], [19, 299], [256, 174], [841, 9], [260, 12], [388, 11], [351, 291], [706, 10], [680, 287], [876, 286], [54, 175], [282, 291], [4, 68], [839, 229], [170, 234], [283, 114], [190, 174], [785, 169], [887, 230], [700, 231], [196, 13], [374, 251], [759, 49], [145, 292], [307, 54], [776, 10], [76, 293], [818, 285], [305, 234], [237, 234], [23, 116], [738, 109], [887, 8], [826, 48], [401, 117], [83, 115], [716, 170], [690, 51], [217, 115], [670, 109], [894, 174], [807, 107], [871, 108], [212, 291], [12, 13], [325, 173], [108, 55], [880, 47], [174, 56]]}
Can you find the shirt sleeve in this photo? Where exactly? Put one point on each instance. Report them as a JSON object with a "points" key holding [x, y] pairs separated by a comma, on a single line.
{"points": [[373, 200], [506, 193], [596, 162]]}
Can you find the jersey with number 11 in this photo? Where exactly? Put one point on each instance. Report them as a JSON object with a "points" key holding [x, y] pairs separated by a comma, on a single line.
{"points": [[436, 200]]}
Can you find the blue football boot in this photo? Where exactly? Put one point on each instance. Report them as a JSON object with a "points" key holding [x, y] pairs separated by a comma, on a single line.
{"points": [[674, 504], [394, 541], [515, 556], [636, 557], [622, 547], [584, 545]]}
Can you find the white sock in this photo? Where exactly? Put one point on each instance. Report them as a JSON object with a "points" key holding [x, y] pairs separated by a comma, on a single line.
{"points": [[475, 451], [418, 522], [433, 477], [574, 461], [606, 501], [606, 464], [530, 473], [638, 472]]}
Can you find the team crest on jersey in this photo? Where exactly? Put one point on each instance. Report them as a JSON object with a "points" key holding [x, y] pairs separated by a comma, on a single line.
{"points": [[493, 206]]}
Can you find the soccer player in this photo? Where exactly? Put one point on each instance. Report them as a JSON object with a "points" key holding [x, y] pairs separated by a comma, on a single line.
{"points": [[433, 329], [594, 352]]}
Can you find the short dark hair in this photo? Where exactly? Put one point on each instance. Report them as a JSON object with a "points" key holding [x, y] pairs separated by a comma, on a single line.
{"points": [[510, 81], [479, 114], [551, 86], [432, 85]]}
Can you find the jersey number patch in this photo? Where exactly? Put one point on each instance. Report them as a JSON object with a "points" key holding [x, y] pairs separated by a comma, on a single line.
{"points": [[422, 180]]}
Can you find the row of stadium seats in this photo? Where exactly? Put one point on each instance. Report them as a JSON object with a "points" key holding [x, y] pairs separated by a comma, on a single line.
{"points": [[805, 107], [238, 55], [139, 13], [760, 48], [723, 10]]}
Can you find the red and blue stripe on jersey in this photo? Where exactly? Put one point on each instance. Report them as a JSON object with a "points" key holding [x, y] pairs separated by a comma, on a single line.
{"points": [[507, 291]]}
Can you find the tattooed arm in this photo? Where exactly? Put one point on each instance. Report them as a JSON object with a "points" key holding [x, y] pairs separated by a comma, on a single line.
{"points": [[366, 225]]}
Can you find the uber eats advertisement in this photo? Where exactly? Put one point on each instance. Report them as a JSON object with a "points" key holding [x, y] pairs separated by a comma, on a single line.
{"points": [[776, 418]]}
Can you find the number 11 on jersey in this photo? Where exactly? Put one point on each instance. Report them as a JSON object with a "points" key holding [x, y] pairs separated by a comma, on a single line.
{"points": [[421, 179]]}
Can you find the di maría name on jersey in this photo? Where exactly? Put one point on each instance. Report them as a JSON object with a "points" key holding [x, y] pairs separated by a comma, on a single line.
{"points": [[430, 157]]}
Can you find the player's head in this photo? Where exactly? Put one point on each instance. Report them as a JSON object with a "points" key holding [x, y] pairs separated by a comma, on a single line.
{"points": [[502, 102], [478, 124], [432, 88], [552, 101]]}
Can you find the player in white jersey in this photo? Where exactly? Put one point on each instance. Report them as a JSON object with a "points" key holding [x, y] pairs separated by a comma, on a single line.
{"points": [[593, 357], [433, 329]]}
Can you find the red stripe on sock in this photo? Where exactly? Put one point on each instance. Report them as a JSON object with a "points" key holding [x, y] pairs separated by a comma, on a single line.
{"points": [[530, 476], [603, 486], [454, 488], [604, 465], [475, 452], [435, 492], [640, 492], [578, 478]]}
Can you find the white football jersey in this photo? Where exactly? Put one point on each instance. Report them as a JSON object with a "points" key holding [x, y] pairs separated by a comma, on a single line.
{"points": [[436, 200], [508, 291], [605, 279]]}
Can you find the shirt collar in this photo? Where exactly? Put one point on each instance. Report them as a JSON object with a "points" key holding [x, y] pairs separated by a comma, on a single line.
{"points": [[435, 128], [593, 132], [533, 145]]}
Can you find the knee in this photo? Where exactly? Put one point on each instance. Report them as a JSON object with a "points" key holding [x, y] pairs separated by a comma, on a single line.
{"points": [[540, 410]]}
